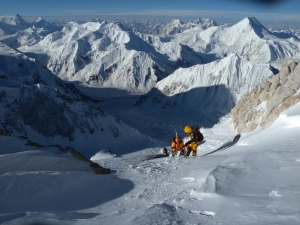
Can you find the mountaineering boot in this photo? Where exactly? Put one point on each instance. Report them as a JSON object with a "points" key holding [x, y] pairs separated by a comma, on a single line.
{"points": [[188, 151]]}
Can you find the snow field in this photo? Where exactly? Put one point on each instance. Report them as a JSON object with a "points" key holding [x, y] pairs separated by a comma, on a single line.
{"points": [[254, 181]]}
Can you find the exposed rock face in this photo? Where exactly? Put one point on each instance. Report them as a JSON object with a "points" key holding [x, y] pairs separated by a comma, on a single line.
{"points": [[262, 106], [3, 133], [96, 167]]}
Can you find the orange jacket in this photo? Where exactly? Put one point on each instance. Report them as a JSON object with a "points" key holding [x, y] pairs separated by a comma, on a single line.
{"points": [[177, 145]]}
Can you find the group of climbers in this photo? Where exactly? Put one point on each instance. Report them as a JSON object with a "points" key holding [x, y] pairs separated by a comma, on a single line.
{"points": [[178, 145], [184, 149]]}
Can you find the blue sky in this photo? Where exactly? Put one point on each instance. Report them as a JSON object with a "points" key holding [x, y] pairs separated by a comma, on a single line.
{"points": [[282, 10]]}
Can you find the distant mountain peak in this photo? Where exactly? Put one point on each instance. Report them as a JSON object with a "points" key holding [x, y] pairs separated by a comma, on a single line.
{"points": [[121, 26], [253, 23], [177, 21], [205, 21], [39, 20], [13, 20]]}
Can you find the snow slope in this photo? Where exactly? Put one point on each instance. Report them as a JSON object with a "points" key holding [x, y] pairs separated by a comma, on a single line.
{"points": [[206, 92], [252, 182]]}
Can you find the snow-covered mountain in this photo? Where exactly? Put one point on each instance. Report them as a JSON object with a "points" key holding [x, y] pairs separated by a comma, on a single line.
{"points": [[145, 26], [38, 105], [108, 55], [12, 24], [207, 92], [248, 37], [16, 32], [176, 26], [111, 55], [43, 27]]}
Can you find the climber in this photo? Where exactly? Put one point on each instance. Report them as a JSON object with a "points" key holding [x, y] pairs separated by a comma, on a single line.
{"points": [[195, 138], [177, 145]]}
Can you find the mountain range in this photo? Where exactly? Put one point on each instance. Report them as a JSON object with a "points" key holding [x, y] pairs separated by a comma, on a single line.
{"points": [[37, 104], [111, 55], [203, 66]]}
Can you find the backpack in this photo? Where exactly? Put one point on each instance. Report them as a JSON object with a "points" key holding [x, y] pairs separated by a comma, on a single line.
{"points": [[199, 135]]}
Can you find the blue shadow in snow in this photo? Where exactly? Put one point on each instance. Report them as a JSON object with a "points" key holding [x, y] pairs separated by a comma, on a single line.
{"points": [[202, 106]]}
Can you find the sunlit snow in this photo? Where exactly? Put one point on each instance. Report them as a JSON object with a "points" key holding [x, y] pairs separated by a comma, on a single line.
{"points": [[253, 181]]}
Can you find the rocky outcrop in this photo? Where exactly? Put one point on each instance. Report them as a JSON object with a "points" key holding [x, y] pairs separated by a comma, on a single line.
{"points": [[262, 106], [3, 133], [96, 167]]}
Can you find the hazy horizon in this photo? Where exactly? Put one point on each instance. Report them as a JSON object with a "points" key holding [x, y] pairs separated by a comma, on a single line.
{"points": [[219, 10], [61, 19]]}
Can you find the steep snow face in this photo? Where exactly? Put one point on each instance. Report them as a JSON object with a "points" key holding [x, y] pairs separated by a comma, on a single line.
{"points": [[102, 54], [182, 54], [249, 38], [207, 91], [37, 104], [239, 75]]}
